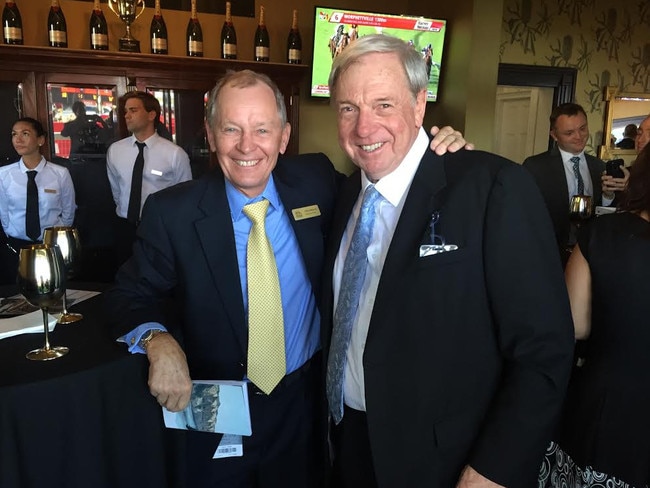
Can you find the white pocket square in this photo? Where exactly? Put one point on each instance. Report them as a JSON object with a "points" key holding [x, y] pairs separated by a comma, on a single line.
{"points": [[431, 249]]}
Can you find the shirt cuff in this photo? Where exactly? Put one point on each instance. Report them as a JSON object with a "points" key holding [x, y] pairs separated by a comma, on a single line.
{"points": [[607, 201], [132, 339]]}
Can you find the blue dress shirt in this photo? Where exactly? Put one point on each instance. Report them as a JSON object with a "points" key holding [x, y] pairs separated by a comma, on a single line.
{"points": [[301, 317]]}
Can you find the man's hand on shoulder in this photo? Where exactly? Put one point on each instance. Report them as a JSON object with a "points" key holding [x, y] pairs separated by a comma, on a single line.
{"points": [[169, 375], [447, 139], [470, 478]]}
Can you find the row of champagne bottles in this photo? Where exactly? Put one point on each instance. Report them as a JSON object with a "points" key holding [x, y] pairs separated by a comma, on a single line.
{"points": [[98, 32]]}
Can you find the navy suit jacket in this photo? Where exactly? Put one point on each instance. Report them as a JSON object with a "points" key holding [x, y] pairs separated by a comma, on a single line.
{"points": [[548, 170], [186, 249], [468, 352]]}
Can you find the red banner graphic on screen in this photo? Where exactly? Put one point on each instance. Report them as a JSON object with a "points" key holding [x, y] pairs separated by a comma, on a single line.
{"points": [[387, 22]]}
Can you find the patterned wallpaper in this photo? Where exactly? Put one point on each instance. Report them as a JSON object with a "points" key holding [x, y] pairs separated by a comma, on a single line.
{"points": [[607, 41]]}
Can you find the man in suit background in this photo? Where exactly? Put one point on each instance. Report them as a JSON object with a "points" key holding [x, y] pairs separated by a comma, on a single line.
{"points": [[449, 356], [629, 135], [555, 173]]}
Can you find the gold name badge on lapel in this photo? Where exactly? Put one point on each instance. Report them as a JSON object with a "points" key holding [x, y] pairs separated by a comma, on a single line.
{"points": [[307, 212], [49, 190]]}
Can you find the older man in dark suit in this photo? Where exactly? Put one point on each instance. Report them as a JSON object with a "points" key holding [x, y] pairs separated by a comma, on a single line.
{"points": [[446, 318]]}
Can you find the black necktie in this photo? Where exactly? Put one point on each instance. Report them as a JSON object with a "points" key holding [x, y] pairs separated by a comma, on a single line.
{"points": [[32, 219], [135, 199]]}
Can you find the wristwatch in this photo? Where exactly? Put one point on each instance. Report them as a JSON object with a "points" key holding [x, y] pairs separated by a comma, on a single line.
{"points": [[148, 336]]}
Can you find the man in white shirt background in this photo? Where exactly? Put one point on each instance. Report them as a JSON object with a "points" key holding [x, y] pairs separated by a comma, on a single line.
{"points": [[165, 164]]}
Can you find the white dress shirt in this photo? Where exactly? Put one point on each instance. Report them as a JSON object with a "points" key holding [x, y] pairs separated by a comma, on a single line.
{"points": [[393, 189], [571, 180], [165, 164], [56, 198]]}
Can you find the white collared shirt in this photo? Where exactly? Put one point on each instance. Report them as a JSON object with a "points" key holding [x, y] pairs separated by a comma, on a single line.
{"points": [[56, 197], [571, 180], [165, 164], [393, 188]]}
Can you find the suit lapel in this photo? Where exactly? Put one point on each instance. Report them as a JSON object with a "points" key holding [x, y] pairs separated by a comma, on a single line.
{"points": [[595, 170], [217, 238], [426, 194], [559, 179], [308, 232]]}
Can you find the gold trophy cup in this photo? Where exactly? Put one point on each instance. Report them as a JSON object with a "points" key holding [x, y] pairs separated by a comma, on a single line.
{"points": [[127, 11]]}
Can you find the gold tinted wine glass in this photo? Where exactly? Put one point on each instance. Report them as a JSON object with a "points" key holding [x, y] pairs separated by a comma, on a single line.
{"points": [[580, 208], [67, 238], [42, 280]]}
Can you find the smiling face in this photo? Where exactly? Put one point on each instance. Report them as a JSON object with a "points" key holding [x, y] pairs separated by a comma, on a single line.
{"points": [[248, 136], [378, 118], [571, 133], [27, 142]]}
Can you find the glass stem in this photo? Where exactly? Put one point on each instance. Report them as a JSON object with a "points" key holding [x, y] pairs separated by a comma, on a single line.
{"points": [[65, 303], [47, 331]]}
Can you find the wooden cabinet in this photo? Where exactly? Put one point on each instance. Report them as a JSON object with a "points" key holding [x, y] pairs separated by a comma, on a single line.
{"points": [[35, 67]]}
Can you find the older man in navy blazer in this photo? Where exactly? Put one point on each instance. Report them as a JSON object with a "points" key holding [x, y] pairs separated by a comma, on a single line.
{"points": [[448, 365]]}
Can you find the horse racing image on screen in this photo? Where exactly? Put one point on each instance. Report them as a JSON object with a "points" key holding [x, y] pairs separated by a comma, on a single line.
{"points": [[335, 29]]}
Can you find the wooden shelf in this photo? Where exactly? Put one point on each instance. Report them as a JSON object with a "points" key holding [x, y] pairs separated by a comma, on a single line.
{"points": [[37, 66]]}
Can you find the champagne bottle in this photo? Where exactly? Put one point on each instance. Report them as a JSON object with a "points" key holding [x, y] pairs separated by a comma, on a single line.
{"points": [[194, 34], [57, 30], [98, 29], [158, 32], [262, 43], [12, 24], [294, 42], [228, 37]]}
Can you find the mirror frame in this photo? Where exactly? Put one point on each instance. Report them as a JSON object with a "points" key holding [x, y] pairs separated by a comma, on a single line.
{"points": [[607, 150]]}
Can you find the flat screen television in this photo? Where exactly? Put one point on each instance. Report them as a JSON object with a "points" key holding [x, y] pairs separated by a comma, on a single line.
{"points": [[335, 28]]}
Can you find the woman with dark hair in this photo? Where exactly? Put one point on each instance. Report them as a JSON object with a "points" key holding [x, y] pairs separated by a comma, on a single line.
{"points": [[34, 194], [604, 436]]}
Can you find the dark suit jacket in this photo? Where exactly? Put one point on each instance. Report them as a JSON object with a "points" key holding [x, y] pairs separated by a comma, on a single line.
{"points": [[548, 170], [468, 352], [186, 247]]}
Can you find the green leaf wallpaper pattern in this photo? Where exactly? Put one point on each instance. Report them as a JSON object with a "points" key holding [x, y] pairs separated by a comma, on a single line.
{"points": [[606, 41]]}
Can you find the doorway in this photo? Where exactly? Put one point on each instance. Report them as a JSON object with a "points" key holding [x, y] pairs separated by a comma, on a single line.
{"points": [[525, 97]]}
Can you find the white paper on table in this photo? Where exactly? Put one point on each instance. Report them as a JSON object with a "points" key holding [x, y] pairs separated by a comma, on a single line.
{"points": [[32, 322], [28, 323]]}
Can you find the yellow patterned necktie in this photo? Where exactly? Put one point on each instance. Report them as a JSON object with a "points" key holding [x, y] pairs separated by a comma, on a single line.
{"points": [[266, 356]]}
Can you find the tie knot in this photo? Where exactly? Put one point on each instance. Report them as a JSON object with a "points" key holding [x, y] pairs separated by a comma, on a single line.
{"points": [[32, 174], [575, 160], [141, 146], [370, 196], [257, 211]]}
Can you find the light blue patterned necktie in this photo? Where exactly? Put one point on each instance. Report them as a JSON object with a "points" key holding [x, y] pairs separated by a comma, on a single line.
{"points": [[576, 172], [352, 278]]}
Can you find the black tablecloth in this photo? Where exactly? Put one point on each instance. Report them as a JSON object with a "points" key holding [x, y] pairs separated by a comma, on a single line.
{"points": [[84, 420]]}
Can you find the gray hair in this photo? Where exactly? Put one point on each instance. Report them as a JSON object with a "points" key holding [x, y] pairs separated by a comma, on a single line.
{"points": [[412, 61], [243, 79]]}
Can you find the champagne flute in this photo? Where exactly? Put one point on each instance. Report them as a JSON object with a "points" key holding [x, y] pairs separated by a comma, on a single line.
{"points": [[42, 280], [67, 239]]}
